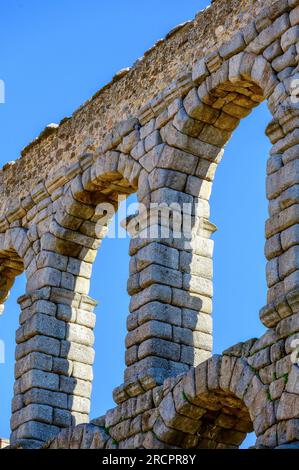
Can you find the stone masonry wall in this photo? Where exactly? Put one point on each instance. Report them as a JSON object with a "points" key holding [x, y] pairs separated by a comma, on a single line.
{"points": [[175, 394], [125, 95]]}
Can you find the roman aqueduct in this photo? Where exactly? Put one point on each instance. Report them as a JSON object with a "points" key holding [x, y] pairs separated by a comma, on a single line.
{"points": [[159, 129]]}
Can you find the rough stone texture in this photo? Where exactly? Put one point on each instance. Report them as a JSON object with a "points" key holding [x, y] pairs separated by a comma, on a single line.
{"points": [[61, 145], [166, 147]]}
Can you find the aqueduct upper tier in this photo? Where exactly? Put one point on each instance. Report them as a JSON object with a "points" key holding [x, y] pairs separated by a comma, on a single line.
{"points": [[128, 92]]}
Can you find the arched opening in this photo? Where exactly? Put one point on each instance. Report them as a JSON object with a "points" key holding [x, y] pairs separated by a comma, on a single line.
{"points": [[239, 209], [211, 407], [109, 287]]}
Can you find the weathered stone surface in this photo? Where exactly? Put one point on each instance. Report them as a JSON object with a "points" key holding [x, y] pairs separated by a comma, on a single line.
{"points": [[38, 343], [288, 406], [294, 16], [289, 38], [270, 34], [159, 347], [38, 395], [199, 72], [288, 59], [232, 47], [37, 378], [33, 360], [148, 330]]}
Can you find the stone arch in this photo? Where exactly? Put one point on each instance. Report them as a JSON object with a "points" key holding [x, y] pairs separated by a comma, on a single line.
{"points": [[184, 149], [213, 108], [213, 406], [13, 244], [225, 92], [57, 317], [75, 229]]}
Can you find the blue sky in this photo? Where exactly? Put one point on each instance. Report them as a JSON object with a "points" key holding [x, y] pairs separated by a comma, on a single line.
{"points": [[55, 55]]}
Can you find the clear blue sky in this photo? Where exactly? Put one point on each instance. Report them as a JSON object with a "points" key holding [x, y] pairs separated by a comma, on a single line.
{"points": [[55, 55]]}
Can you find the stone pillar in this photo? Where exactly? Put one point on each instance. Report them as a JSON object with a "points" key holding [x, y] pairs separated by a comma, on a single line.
{"points": [[170, 283], [281, 314], [282, 249], [53, 371]]}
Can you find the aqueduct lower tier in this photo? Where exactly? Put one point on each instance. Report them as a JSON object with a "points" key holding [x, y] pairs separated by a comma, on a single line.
{"points": [[178, 107]]}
